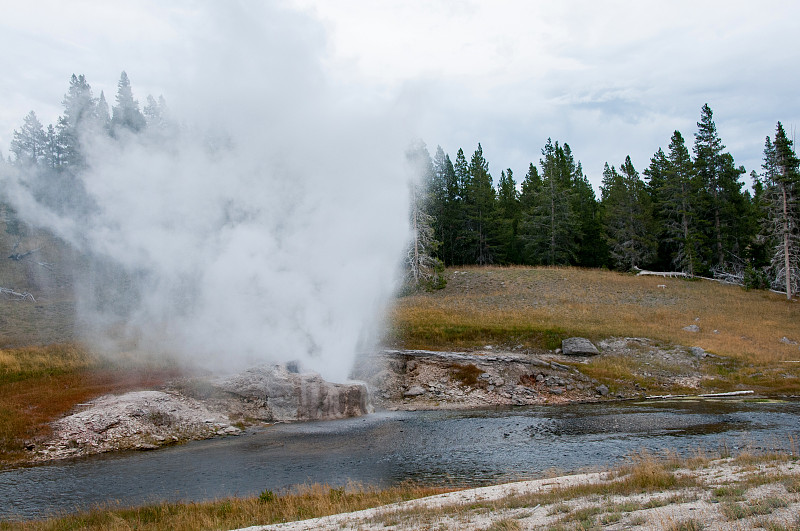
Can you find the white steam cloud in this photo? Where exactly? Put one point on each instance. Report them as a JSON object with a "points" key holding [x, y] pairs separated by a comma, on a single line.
{"points": [[270, 229]]}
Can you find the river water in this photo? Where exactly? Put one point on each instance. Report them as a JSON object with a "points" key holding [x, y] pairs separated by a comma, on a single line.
{"points": [[462, 448]]}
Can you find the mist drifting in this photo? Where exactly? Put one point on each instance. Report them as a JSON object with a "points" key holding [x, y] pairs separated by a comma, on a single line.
{"points": [[266, 226]]}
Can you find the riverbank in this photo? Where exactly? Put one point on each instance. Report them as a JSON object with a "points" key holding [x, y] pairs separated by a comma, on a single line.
{"points": [[194, 408], [748, 492]]}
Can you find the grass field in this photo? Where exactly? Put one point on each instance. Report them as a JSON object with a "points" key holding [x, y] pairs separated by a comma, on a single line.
{"points": [[757, 332], [536, 307]]}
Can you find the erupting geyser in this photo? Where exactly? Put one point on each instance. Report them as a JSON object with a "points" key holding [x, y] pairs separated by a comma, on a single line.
{"points": [[265, 224]]}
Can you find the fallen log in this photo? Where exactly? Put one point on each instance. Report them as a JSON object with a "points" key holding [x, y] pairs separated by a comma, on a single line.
{"points": [[678, 274], [16, 295], [704, 395]]}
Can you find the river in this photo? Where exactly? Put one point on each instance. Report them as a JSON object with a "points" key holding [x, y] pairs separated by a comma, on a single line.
{"points": [[461, 448]]}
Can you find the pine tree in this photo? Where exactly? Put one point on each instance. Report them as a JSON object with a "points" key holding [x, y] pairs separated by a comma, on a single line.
{"points": [[723, 206], [126, 113], [550, 226], [480, 207], [448, 209], [654, 179], [53, 154], [103, 115], [509, 214], [678, 193], [151, 112], [531, 186], [628, 217], [782, 182], [463, 234], [79, 116], [592, 250], [29, 144]]}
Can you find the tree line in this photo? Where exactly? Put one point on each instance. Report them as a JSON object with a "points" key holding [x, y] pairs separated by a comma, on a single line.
{"points": [[52, 157], [687, 212]]}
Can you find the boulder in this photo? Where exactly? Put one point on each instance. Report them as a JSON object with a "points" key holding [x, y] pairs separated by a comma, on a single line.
{"points": [[578, 346], [601, 390], [698, 352], [691, 328], [414, 391], [298, 396]]}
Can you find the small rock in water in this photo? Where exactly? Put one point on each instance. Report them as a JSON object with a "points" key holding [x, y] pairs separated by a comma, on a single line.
{"points": [[691, 328]]}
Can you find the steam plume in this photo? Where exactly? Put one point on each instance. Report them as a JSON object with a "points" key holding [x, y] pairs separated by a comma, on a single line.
{"points": [[267, 228]]}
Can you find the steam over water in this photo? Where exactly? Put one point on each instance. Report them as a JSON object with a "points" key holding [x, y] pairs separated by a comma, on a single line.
{"points": [[267, 226]]}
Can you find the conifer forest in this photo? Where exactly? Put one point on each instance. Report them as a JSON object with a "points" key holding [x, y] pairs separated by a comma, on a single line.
{"points": [[689, 210]]}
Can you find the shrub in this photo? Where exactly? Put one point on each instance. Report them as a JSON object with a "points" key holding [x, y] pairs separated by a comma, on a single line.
{"points": [[755, 278], [466, 374]]}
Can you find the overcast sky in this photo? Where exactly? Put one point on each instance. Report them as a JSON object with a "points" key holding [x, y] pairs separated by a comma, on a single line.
{"points": [[609, 78]]}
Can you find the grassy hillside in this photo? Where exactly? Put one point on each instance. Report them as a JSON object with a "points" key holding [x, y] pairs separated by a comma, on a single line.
{"points": [[757, 332], [35, 262], [536, 307]]}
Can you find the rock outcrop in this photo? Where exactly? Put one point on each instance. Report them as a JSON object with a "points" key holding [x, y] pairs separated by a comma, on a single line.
{"points": [[291, 395], [197, 408], [420, 379], [139, 420]]}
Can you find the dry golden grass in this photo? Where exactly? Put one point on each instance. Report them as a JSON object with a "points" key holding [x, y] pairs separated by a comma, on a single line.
{"points": [[23, 362], [298, 504], [537, 307], [531, 304]]}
